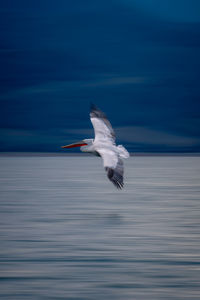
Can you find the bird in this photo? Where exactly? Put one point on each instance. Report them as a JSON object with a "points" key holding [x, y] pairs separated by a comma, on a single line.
{"points": [[104, 145]]}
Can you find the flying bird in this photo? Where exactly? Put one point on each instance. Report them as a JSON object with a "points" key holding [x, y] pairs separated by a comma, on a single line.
{"points": [[104, 145]]}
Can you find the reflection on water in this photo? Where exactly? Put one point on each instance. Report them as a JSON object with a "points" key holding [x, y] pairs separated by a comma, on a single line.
{"points": [[67, 233]]}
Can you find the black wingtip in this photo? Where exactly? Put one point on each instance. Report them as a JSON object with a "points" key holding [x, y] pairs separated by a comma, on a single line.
{"points": [[115, 178], [93, 107], [96, 112]]}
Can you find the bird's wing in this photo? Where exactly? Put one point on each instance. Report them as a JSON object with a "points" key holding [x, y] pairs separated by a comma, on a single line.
{"points": [[102, 127], [113, 166]]}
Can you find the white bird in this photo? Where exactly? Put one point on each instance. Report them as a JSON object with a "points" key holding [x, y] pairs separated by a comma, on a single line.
{"points": [[104, 145]]}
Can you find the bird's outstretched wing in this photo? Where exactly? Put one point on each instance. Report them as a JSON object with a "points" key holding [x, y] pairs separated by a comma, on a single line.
{"points": [[116, 175], [102, 127], [113, 166]]}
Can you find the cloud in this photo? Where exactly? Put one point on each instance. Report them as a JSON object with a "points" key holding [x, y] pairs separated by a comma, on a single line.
{"points": [[135, 137], [135, 61], [30, 140], [172, 10], [55, 87], [142, 135], [120, 80], [79, 132]]}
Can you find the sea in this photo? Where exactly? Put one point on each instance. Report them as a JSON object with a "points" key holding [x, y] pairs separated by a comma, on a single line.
{"points": [[67, 233]]}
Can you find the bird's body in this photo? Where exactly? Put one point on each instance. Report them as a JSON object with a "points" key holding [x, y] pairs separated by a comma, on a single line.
{"points": [[104, 145]]}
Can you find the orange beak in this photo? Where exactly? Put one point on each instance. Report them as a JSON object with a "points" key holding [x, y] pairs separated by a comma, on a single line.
{"points": [[78, 144]]}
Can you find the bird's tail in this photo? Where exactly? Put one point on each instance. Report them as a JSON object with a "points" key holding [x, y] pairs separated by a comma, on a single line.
{"points": [[122, 152]]}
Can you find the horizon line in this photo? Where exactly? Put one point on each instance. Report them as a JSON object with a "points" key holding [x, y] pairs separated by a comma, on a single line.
{"points": [[132, 154]]}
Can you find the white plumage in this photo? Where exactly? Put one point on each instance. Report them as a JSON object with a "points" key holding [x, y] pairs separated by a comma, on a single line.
{"points": [[104, 145]]}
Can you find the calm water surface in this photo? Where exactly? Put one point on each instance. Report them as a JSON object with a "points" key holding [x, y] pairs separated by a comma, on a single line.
{"points": [[67, 233]]}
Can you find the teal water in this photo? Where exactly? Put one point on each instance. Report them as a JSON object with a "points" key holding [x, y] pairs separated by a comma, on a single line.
{"points": [[67, 233]]}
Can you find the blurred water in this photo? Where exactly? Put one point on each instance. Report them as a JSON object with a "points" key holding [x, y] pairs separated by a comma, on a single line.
{"points": [[67, 233]]}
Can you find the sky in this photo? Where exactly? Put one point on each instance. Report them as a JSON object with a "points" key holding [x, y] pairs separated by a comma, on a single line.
{"points": [[137, 60]]}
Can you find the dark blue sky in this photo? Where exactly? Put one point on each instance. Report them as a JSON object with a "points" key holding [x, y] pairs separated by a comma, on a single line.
{"points": [[137, 60]]}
